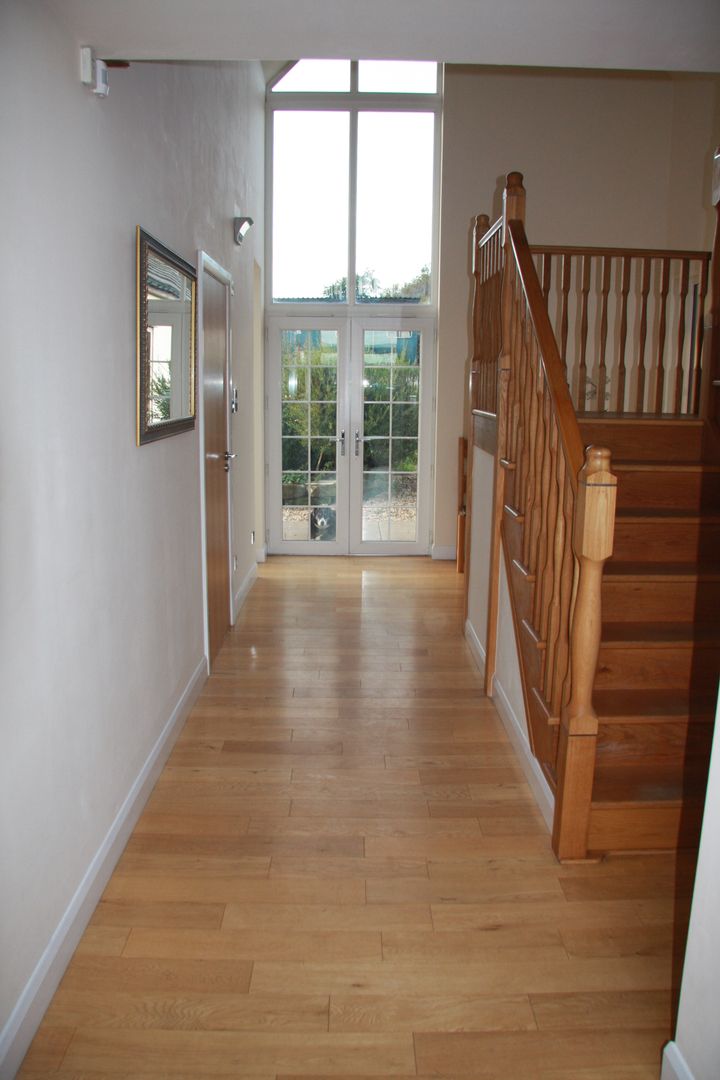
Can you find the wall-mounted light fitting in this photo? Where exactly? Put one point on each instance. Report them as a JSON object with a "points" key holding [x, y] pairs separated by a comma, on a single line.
{"points": [[241, 227], [93, 72]]}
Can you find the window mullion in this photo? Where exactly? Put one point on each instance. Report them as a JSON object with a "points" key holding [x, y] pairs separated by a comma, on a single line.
{"points": [[352, 205]]}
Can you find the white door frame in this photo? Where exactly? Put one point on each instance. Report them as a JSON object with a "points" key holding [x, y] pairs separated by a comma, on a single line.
{"points": [[206, 264], [349, 476]]}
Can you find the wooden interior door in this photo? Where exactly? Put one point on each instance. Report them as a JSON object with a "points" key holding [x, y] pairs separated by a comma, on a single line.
{"points": [[215, 301]]}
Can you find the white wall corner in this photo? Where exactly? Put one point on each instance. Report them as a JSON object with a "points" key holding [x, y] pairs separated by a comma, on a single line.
{"points": [[32, 1004], [674, 1065], [477, 648], [243, 589], [446, 551], [533, 773]]}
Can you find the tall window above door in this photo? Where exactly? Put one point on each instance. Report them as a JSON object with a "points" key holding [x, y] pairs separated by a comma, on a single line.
{"points": [[354, 155]]}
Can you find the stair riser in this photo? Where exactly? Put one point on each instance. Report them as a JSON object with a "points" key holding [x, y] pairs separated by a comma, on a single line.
{"points": [[654, 667], [663, 743], [644, 440], [667, 489], [672, 541], [640, 828], [659, 601]]}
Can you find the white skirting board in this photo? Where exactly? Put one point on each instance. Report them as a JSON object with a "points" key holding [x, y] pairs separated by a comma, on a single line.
{"points": [[42, 984], [443, 552], [511, 722], [476, 646], [241, 595], [674, 1066]]}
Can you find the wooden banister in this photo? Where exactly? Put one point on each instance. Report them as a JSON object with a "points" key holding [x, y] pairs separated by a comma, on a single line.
{"points": [[646, 306], [553, 515]]}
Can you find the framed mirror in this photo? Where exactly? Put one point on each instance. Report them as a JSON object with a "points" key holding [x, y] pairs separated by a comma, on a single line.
{"points": [[166, 312]]}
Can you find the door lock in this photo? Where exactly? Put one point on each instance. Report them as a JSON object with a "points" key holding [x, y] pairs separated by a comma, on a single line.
{"points": [[357, 442], [228, 458], [341, 440]]}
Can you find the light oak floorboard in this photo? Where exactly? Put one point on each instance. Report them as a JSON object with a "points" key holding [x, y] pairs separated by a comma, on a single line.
{"points": [[341, 872]]}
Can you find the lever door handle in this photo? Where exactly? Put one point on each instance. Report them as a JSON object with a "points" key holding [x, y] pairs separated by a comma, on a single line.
{"points": [[341, 440], [357, 442], [228, 456]]}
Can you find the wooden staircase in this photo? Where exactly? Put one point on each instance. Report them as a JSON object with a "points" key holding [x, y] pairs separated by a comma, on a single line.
{"points": [[656, 681], [608, 523]]}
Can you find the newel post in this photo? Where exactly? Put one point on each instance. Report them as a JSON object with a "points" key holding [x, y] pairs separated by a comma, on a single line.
{"points": [[592, 543]]}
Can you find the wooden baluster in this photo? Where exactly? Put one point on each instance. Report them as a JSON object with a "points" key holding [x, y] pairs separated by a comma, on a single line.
{"points": [[679, 370], [532, 494], [553, 675], [660, 383], [592, 542], [581, 400], [602, 366], [699, 332], [565, 293], [711, 395], [546, 274], [644, 292], [528, 457], [621, 369], [477, 372], [544, 562]]}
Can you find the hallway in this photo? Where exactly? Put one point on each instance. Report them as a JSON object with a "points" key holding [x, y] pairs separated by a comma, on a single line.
{"points": [[342, 872]]}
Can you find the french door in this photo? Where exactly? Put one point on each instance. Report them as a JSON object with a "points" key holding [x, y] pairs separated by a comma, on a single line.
{"points": [[349, 430]]}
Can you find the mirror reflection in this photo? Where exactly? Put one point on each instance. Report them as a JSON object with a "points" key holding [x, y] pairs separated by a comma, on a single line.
{"points": [[166, 341]]}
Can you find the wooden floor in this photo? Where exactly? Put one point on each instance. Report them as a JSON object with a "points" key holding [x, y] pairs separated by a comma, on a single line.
{"points": [[342, 873]]}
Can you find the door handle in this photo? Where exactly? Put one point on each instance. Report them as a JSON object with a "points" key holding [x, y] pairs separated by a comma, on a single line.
{"points": [[228, 458], [357, 442], [341, 440]]}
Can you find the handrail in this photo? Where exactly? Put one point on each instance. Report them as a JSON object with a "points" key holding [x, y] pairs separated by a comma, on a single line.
{"points": [[618, 252]]}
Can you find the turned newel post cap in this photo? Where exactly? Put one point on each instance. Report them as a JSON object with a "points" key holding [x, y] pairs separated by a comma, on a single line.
{"points": [[514, 198], [597, 460], [482, 224]]}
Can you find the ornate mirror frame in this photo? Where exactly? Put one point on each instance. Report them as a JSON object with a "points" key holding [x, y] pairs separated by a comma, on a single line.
{"points": [[166, 375]]}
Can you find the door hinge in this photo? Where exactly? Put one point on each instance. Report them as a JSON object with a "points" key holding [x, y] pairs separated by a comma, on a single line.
{"points": [[267, 403], [267, 537], [267, 469]]}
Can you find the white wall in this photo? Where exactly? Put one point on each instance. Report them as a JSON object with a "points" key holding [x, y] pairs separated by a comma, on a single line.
{"points": [[695, 1052], [607, 158], [507, 691], [483, 469], [100, 619]]}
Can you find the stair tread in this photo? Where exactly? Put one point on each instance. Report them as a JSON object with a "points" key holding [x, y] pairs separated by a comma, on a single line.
{"points": [[663, 465], [647, 515], [636, 784], [664, 571], [641, 706], [641, 633]]}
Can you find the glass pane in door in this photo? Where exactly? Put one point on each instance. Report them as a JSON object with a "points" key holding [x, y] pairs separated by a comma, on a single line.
{"points": [[391, 400], [309, 360]]}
